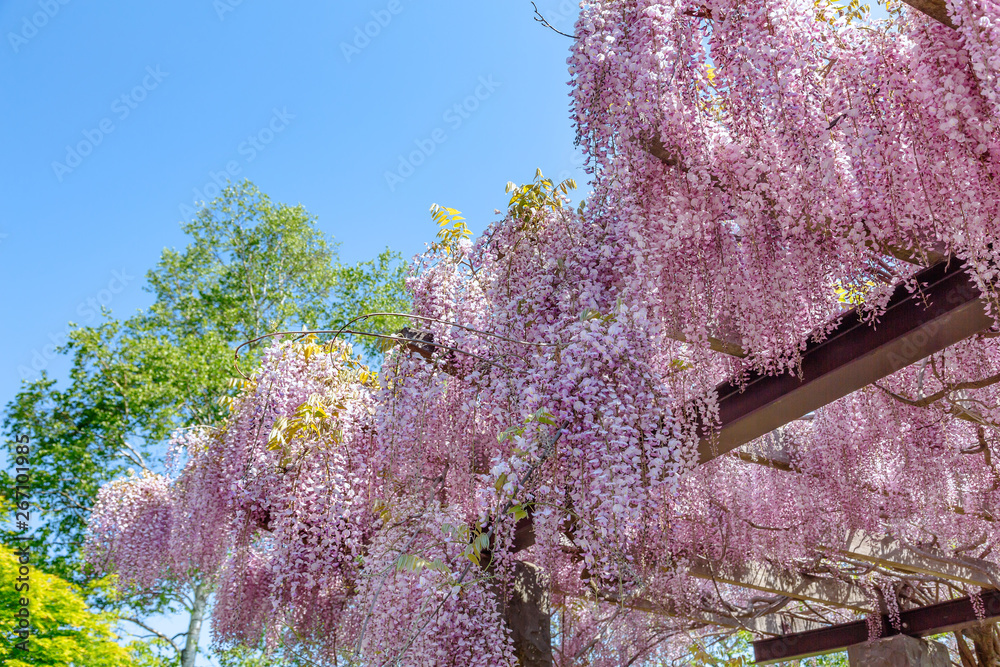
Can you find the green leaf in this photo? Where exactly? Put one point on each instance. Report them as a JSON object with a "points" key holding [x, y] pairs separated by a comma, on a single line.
{"points": [[64, 630], [543, 416]]}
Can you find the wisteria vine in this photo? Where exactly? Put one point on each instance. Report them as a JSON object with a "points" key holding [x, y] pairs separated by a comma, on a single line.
{"points": [[758, 168]]}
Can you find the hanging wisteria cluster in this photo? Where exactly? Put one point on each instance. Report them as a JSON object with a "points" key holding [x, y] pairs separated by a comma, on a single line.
{"points": [[758, 168], [748, 155]]}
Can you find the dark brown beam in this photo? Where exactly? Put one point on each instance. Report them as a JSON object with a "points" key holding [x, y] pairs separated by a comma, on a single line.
{"points": [[936, 9], [946, 310], [921, 622]]}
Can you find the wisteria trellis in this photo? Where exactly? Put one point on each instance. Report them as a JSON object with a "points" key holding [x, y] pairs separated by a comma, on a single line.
{"points": [[754, 167]]}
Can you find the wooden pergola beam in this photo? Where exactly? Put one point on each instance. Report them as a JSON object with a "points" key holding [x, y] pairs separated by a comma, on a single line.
{"points": [[920, 622], [936, 9], [774, 623], [774, 580], [767, 624], [890, 553], [716, 343], [945, 310]]}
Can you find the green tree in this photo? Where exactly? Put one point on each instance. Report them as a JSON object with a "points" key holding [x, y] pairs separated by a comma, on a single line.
{"points": [[127, 390], [254, 267], [251, 267], [62, 631]]}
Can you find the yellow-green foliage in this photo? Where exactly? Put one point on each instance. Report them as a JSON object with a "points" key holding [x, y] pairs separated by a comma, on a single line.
{"points": [[528, 199], [851, 10], [452, 228], [64, 631], [853, 292]]}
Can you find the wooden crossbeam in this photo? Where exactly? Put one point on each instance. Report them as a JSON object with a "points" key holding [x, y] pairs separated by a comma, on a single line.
{"points": [[890, 553], [945, 310], [774, 580], [783, 465], [767, 624], [774, 623], [920, 622], [716, 343], [936, 9]]}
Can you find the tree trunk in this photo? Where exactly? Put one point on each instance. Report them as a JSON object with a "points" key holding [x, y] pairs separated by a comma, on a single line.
{"points": [[190, 651], [985, 645], [528, 616], [966, 654]]}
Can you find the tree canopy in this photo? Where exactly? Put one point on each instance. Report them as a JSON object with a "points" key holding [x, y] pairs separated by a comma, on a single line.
{"points": [[250, 266]]}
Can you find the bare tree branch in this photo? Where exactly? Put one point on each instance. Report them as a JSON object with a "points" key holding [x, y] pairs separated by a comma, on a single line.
{"points": [[152, 631], [541, 19]]}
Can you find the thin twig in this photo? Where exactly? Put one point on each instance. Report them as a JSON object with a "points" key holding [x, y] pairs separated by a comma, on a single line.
{"points": [[154, 632], [424, 318], [541, 19], [301, 334]]}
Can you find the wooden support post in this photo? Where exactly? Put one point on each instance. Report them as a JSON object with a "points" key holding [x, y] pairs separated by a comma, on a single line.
{"points": [[899, 650]]}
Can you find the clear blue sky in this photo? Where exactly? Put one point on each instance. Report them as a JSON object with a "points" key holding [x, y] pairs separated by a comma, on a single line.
{"points": [[118, 116], [289, 95]]}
